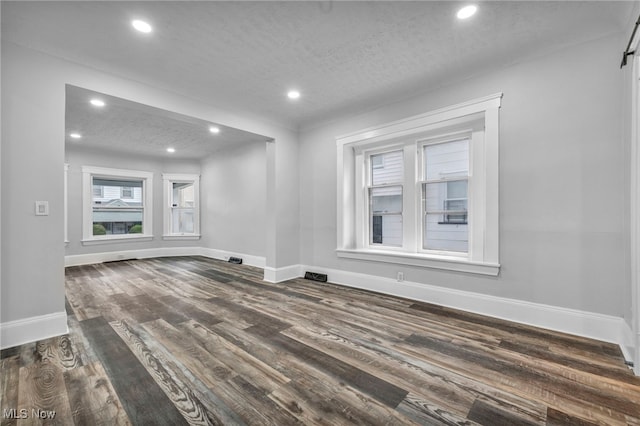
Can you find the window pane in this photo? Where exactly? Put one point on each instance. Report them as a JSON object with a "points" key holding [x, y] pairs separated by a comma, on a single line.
{"points": [[447, 237], [117, 206], [107, 192], [182, 194], [385, 206], [446, 160], [182, 221], [386, 200], [445, 219], [445, 203], [457, 189], [387, 168], [386, 229], [443, 197]]}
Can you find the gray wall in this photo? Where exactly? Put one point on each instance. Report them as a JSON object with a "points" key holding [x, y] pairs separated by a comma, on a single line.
{"points": [[77, 157], [233, 200], [563, 184]]}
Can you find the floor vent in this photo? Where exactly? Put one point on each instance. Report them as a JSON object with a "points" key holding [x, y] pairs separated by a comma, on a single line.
{"points": [[314, 276], [236, 260]]}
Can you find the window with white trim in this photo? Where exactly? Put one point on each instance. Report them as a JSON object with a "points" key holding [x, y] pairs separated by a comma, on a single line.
{"points": [[117, 204], [181, 206], [423, 191]]}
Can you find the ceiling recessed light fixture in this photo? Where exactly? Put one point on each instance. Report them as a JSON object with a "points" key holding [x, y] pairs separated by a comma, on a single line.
{"points": [[75, 135], [293, 94], [214, 129], [171, 150], [141, 26], [97, 102], [467, 11]]}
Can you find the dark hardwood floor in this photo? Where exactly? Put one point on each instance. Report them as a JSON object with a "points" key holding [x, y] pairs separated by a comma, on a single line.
{"points": [[191, 340]]}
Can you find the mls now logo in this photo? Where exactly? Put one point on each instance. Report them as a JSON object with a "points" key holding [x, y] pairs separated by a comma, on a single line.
{"points": [[12, 413]]}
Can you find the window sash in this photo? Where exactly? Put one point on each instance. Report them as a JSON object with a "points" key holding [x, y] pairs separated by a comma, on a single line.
{"points": [[379, 220], [181, 210], [386, 210], [123, 217]]}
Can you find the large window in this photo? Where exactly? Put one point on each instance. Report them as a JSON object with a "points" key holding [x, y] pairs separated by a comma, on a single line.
{"points": [[423, 191], [182, 206], [117, 204]]}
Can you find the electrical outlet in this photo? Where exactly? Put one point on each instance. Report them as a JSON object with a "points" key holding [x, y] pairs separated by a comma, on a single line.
{"points": [[400, 277]]}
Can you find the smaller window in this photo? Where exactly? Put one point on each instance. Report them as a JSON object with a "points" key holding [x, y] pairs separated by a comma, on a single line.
{"points": [[182, 206], [98, 191], [126, 192]]}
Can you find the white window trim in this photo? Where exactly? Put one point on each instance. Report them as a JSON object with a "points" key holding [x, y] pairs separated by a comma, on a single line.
{"points": [[483, 257], [88, 172], [168, 179]]}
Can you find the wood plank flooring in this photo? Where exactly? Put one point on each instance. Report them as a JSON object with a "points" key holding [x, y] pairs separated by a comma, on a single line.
{"points": [[190, 340]]}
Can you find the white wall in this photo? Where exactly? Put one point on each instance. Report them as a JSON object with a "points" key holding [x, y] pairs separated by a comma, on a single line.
{"points": [[33, 105], [233, 200], [77, 157], [562, 182]]}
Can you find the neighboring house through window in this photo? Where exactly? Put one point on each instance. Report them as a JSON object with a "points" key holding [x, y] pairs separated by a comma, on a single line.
{"points": [[127, 192], [117, 204], [423, 191]]}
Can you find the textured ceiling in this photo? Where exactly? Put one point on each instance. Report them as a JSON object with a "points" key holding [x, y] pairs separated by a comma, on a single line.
{"points": [[137, 129], [344, 57]]}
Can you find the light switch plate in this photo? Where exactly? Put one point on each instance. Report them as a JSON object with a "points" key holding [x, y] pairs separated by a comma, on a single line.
{"points": [[42, 208]]}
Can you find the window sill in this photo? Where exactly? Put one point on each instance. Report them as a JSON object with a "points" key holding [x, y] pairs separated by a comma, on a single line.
{"points": [[421, 260], [181, 237], [117, 239]]}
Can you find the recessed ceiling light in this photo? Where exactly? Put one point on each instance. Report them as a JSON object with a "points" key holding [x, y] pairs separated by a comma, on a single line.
{"points": [[171, 150], [141, 26], [214, 129], [467, 12], [97, 102], [293, 94], [75, 135]]}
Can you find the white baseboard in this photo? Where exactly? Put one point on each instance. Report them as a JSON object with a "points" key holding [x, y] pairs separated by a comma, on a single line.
{"points": [[19, 332], [110, 256], [91, 258], [247, 259], [276, 275], [586, 324]]}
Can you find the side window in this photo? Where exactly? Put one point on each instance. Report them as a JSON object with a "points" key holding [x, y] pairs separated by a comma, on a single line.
{"points": [[182, 206]]}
